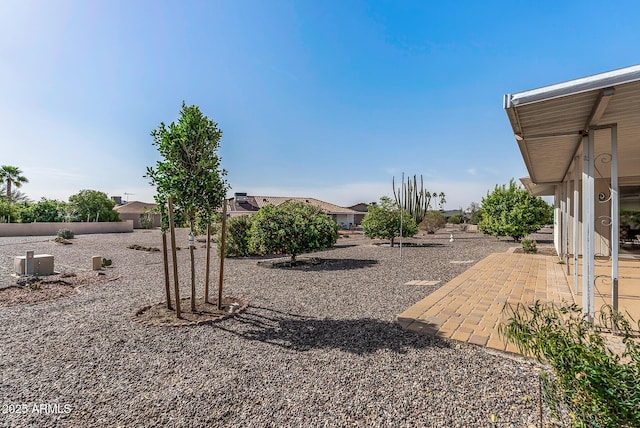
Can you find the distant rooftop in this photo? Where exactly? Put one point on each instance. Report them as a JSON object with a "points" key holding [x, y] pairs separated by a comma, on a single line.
{"points": [[243, 203]]}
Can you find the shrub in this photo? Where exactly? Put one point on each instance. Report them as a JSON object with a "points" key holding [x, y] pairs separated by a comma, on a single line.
{"points": [[291, 228], [456, 219], [65, 234], [433, 221], [203, 219], [529, 246], [8, 213], [146, 219], [512, 211], [383, 221], [476, 217], [596, 387], [92, 205], [24, 212], [45, 210], [237, 237]]}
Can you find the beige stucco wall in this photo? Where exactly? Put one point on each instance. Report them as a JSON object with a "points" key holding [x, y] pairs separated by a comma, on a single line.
{"points": [[602, 214], [135, 218], [48, 229]]}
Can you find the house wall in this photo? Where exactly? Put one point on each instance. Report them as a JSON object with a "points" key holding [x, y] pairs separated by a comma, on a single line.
{"points": [[602, 215], [557, 219], [135, 218], [344, 220], [50, 229]]}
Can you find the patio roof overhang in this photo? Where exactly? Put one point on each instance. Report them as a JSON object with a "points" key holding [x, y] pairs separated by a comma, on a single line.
{"points": [[550, 122], [538, 189]]}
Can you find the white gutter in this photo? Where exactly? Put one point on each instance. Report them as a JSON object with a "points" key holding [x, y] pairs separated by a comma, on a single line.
{"points": [[571, 87]]}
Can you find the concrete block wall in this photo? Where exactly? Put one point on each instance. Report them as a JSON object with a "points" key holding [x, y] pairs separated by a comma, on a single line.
{"points": [[78, 228]]}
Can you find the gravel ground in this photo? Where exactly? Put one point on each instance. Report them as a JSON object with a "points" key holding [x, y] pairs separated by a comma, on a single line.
{"points": [[318, 346]]}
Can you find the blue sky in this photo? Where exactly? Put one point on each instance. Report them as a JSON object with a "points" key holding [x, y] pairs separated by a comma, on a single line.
{"points": [[327, 99]]}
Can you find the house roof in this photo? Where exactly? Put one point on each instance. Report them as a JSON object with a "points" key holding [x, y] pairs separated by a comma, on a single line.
{"points": [[360, 207], [538, 189], [550, 122], [135, 207], [254, 203]]}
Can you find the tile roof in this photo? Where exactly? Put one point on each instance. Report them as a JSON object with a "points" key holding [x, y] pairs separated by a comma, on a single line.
{"points": [[254, 203], [135, 207]]}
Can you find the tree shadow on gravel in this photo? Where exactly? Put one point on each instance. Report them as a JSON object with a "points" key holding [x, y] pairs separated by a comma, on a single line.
{"points": [[343, 245], [358, 336], [410, 244], [337, 264], [318, 264]]}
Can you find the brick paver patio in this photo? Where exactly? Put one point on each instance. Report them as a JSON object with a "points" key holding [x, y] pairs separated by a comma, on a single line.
{"points": [[469, 307]]}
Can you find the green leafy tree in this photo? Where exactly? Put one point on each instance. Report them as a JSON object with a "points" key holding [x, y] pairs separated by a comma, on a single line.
{"points": [[45, 210], [25, 212], [190, 167], [189, 171], [291, 228], [476, 216], [11, 176], [92, 205], [8, 213], [383, 221], [237, 239], [512, 211]]}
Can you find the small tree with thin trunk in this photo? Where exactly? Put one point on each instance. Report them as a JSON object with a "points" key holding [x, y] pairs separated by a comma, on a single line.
{"points": [[383, 221], [189, 170], [512, 211], [291, 228]]}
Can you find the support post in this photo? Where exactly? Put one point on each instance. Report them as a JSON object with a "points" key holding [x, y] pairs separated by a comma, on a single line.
{"points": [[206, 276], [576, 222], [588, 226], [172, 231], [222, 245], [192, 263], [563, 221], [567, 205], [401, 215], [615, 219], [165, 262]]}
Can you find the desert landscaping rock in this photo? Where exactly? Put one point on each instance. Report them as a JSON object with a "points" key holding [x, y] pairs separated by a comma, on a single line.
{"points": [[316, 347], [205, 313]]}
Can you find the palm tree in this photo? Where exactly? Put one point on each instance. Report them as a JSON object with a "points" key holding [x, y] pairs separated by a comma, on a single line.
{"points": [[11, 176], [442, 199]]}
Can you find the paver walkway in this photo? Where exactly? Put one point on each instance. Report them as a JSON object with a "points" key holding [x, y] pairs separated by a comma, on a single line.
{"points": [[469, 307]]}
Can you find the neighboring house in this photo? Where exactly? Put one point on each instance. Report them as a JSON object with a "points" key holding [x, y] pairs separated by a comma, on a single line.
{"points": [[243, 204], [579, 141], [361, 210], [134, 210], [449, 213]]}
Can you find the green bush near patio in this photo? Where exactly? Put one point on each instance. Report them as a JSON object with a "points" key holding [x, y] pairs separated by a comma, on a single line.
{"points": [[595, 386], [512, 211]]}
